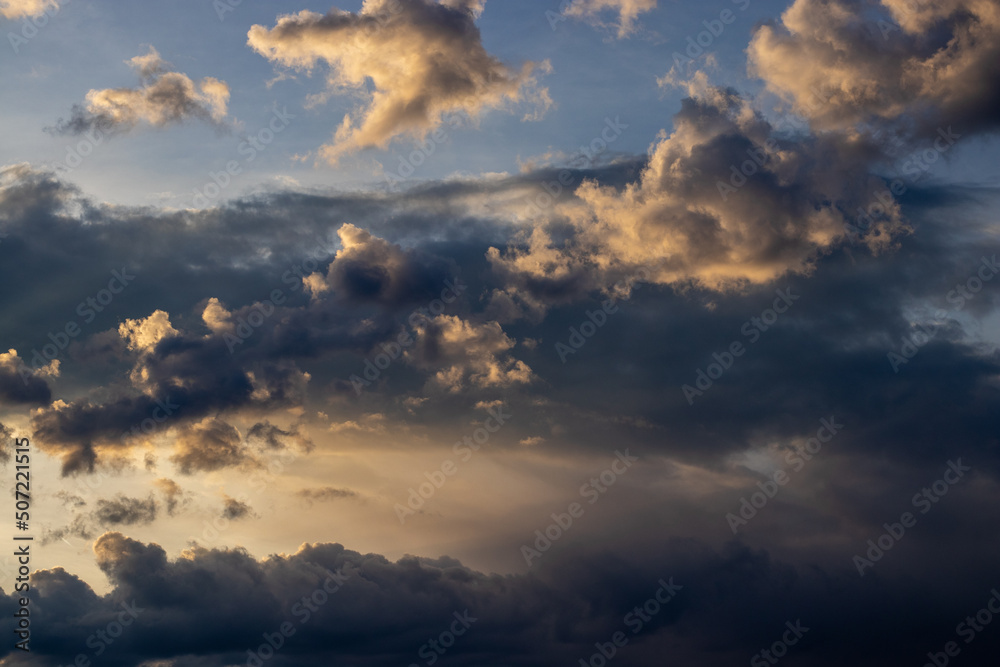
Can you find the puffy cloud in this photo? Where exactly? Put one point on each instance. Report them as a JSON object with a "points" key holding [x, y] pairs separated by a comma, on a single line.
{"points": [[370, 269], [467, 354], [16, 9], [143, 335], [21, 384], [234, 509], [685, 222], [732, 599], [627, 10], [913, 65], [209, 445], [424, 58], [164, 98]]}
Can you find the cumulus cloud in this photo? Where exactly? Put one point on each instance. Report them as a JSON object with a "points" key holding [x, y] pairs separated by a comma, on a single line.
{"points": [[21, 384], [685, 222], [209, 445], [234, 509], [423, 58], [916, 66], [16, 9], [164, 98], [628, 11], [465, 354], [370, 269]]}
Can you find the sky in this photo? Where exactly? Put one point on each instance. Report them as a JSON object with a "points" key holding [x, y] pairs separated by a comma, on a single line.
{"points": [[506, 333]]}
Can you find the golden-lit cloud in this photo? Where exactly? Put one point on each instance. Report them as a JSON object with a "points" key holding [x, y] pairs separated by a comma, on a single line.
{"points": [[933, 62], [422, 58], [164, 98], [628, 11], [16, 9], [693, 217]]}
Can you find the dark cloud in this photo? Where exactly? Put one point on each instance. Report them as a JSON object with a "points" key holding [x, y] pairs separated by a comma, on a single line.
{"points": [[732, 602], [235, 509], [325, 494], [125, 511]]}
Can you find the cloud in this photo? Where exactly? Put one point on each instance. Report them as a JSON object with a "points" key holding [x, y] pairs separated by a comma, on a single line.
{"points": [[21, 384], [685, 222], [370, 269], [164, 98], [172, 493], [16, 9], [912, 66], [209, 445], [125, 511], [627, 10], [424, 59], [553, 615], [467, 354], [325, 494], [235, 510], [269, 437]]}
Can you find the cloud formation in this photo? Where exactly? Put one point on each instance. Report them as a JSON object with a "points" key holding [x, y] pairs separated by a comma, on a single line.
{"points": [[423, 58], [164, 98], [724, 202], [16, 9], [914, 66], [628, 12]]}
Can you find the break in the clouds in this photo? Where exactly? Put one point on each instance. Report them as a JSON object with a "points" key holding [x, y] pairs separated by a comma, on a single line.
{"points": [[164, 97], [916, 65], [424, 59], [628, 12], [16, 9]]}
